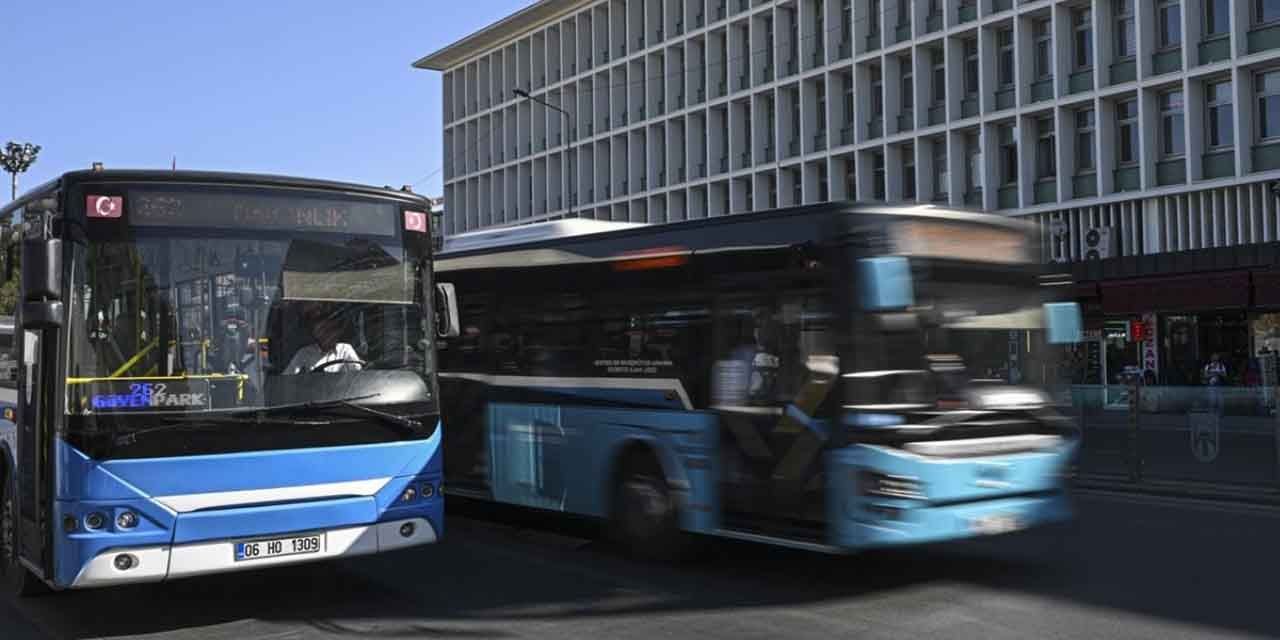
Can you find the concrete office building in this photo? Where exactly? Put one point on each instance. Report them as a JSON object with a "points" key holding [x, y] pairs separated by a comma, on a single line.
{"points": [[1143, 136]]}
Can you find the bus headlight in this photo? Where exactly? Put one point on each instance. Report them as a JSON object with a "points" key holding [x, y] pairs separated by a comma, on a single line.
{"points": [[428, 491], [884, 485], [94, 521], [409, 494], [127, 520], [1009, 398]]}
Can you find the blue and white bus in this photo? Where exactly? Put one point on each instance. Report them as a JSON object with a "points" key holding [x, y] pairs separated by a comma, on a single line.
{"points": [[216, 372], [834, 377]]}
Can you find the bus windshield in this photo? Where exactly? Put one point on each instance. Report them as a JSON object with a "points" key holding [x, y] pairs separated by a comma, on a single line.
{"points": [[973, 323], [188, 319]]}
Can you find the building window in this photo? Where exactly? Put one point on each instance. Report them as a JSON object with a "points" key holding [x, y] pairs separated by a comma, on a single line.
{"points": [[1044, 49], [941, 177], [877, 175], [1218, 110], [848, 99], [1046, 153], [873, 18], [1082, 20], [1004, 43], [939, 77], [1085, 123], [908, 172], [904, 13], [971, 66], [1127, 131], [1268, 91], [908, 84], [846, 22], [1008, 156], [1172, 127], [1169, 24], [1217, 17], [973, 151], [1265, 11], [821, 101], [1126, 39], [877, 93]]}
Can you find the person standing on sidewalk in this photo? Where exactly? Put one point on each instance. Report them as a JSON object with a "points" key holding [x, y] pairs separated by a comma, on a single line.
{"points": [[1215, 376]]}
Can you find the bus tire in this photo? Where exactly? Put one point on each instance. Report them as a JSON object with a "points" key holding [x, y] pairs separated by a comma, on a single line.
{"points": [[645, 517], [15, 577]]}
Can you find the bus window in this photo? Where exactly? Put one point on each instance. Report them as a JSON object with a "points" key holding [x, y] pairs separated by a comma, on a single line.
{"points": [[808, 350], [469, 351], [552, 334], [747, 348], [652, 335]]}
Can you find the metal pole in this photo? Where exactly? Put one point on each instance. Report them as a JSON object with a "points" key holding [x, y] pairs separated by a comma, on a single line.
{"points": [[568, 123], [13, 195], [568, 149]]}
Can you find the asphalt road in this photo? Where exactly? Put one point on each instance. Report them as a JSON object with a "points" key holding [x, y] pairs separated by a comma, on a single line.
{"points": [[1126, 568]]}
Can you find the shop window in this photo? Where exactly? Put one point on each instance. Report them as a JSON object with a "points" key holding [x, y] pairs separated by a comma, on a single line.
{"points": [[1188, 342]]}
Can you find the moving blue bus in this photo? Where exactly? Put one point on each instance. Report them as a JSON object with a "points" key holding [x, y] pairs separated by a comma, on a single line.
{"points": [[833, 377], [216, 372]]}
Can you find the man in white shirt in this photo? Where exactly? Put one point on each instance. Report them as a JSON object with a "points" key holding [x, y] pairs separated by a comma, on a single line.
{"points": [[326, 327]]}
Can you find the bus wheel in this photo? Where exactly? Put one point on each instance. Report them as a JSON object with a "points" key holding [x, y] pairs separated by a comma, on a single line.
{"points": [[645, 519], [15, 577]]}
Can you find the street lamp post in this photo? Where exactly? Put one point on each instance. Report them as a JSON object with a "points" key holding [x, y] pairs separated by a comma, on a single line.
{"points": [[568, 123], [16, 159]]}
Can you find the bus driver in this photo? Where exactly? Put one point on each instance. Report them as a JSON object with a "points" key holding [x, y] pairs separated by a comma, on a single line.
{"points": [[326, 328]]}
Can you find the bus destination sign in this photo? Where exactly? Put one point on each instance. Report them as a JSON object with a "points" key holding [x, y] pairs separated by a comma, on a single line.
{"points": [[260, 211]]}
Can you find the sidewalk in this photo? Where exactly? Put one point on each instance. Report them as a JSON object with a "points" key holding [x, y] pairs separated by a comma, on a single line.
{"points": [[1251, 495]]}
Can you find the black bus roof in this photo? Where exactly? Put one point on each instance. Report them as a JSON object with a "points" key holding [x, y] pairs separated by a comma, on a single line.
{"points": [[694, 232], [99, 176]]}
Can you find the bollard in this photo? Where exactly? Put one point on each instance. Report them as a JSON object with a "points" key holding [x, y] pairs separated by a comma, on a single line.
{"points": [[1135, 459]]}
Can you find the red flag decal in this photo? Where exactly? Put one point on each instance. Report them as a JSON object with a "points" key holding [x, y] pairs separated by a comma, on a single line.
{"points": [[415, 221], [104, 206]]}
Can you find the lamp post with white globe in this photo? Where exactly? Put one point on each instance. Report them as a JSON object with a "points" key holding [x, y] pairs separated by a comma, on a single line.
{"points": [[17, 158]]}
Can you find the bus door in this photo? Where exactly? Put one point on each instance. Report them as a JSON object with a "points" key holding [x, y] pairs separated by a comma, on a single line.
{"points": [[775, 371], [36, 455]]}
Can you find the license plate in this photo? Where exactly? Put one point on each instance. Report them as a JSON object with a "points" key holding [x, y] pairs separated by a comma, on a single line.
{"points": [[995, 524], [277, 547]]}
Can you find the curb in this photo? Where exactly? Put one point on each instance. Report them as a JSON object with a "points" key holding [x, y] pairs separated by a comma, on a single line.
{"points": [[1189, 491]]}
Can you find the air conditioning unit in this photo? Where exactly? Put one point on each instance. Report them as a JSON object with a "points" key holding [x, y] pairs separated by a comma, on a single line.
{"points": [[1101, 243]]}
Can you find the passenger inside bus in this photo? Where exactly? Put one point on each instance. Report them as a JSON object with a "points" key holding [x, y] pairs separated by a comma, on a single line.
{"points": [[326, 352]]}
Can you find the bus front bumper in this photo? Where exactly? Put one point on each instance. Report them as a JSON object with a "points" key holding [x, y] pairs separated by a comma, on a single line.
{"points": [[157, 563], [924, 524]]}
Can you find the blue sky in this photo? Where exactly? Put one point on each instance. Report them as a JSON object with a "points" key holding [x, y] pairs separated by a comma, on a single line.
{"points": [[317, 89]]}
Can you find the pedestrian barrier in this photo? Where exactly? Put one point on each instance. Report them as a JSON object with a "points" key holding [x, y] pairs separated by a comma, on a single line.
{"points": [[1226, 437]]}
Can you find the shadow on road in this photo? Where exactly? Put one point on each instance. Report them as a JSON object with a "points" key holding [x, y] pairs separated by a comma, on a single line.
{"points": [[1205, 567]]}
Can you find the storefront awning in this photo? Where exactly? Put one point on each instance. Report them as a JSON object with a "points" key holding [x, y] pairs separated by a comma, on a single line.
{"points": [[1201, 291], [1084, 290], [1266, 288]]}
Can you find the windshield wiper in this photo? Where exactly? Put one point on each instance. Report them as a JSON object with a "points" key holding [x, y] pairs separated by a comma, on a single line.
{"points": [[202, 421], [405, 423]]}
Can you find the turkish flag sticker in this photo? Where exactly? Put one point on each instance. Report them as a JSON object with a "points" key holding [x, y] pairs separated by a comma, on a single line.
{"points": [[415, 221], [104, 206]]}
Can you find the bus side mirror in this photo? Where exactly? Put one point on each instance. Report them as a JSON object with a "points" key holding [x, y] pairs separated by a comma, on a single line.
{"points": [[1063, 323], [447, 311], [42, 283], [885, 283]]}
